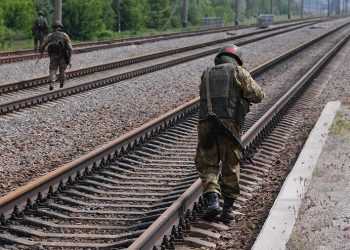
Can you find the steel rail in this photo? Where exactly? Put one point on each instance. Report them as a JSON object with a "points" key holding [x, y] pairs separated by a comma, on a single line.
{"points": [[108, 46], [165, 36], [6, 88], [15, 202], [14, 56], [12, 106], [152, 38], [145, 39], [69, 180], [164, 224]]}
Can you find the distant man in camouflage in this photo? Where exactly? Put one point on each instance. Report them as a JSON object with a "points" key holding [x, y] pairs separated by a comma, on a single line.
{"points": [[40, 29], [59, 47], [226, 91]]}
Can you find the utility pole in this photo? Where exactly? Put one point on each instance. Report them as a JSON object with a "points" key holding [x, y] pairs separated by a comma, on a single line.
{"points": [[337, 10], [302, 8], [271, 7], [119, 16], [289, 9], [58, 11], [328, 7], [236, 12], [184, 13], [346, 7]]}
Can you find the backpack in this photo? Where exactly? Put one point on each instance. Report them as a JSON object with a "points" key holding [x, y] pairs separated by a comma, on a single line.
{"points": [[220, 97], [57, 46], [41, 23]]}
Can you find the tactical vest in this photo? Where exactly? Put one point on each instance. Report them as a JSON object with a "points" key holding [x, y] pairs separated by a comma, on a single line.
{"points": [[41, 24], [57, 46], [225, 94], [40, 28]]}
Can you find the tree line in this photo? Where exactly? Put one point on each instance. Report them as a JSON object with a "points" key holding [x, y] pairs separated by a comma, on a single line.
{"points": [[96, 19]]}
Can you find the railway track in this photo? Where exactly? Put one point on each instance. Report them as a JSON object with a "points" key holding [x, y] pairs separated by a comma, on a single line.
{"points": [[35, 91], [181, 225], [21, 55], [109, 197], [137, 40]]}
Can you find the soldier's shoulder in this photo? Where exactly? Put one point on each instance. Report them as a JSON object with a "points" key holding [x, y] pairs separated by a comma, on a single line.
{"points": [[241, 69], [65, 34], [242, 72], [60, 34]]}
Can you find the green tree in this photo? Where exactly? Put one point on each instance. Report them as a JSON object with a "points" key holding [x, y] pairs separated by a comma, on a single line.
{"points": [[18, 15], [83, 19], [108, 15], [46, 6], [159, 13], [133, 14], [2, 28]]}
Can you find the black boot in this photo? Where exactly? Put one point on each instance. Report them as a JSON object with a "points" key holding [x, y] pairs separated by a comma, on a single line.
{"points": [[61, 84], [213, 208], [227, 215], [51, 87]]}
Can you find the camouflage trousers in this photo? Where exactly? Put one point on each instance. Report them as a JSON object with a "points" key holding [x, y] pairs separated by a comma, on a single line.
{"points": [[217, 161], [57, 64], [38, 41]]}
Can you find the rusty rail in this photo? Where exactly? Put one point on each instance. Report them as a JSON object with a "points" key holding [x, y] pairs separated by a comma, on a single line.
{"points": [[163, 225], [16, 105], [13, 204], [8, 200], [20, 55], [7, 88]]}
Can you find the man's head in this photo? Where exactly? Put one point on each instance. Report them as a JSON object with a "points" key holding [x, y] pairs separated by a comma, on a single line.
{"points": [[57, 25], [229, 54]]}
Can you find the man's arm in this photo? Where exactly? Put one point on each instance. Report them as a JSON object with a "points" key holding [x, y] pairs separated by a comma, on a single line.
{"points": [[251, 90], [68, 41], [46, 28], [45, 43]]}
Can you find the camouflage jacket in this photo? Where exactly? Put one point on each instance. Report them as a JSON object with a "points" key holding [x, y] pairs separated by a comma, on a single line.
{"points": [[40, 26], [57, 35], [250, 89]]}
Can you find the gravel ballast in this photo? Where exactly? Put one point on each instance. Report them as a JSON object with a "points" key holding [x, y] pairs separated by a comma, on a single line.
{"points": [[333, 85], [109, 73], [324, 217], [38, 140], [33, 69]]}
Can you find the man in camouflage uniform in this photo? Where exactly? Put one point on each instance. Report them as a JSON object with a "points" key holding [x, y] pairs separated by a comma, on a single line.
{"points": [[226, 91], [39, 30], [60, 51]]}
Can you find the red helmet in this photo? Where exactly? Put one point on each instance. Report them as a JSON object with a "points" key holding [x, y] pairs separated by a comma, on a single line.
{"points": [[232, 51]]}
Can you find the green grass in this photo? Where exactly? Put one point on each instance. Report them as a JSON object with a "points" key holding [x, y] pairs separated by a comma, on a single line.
{"points": [[341, 126], [16, 45]]}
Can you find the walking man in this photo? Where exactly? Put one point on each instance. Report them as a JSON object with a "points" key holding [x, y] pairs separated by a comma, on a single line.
{"points": [[39, 30], [226, 91], [59, 47]]}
